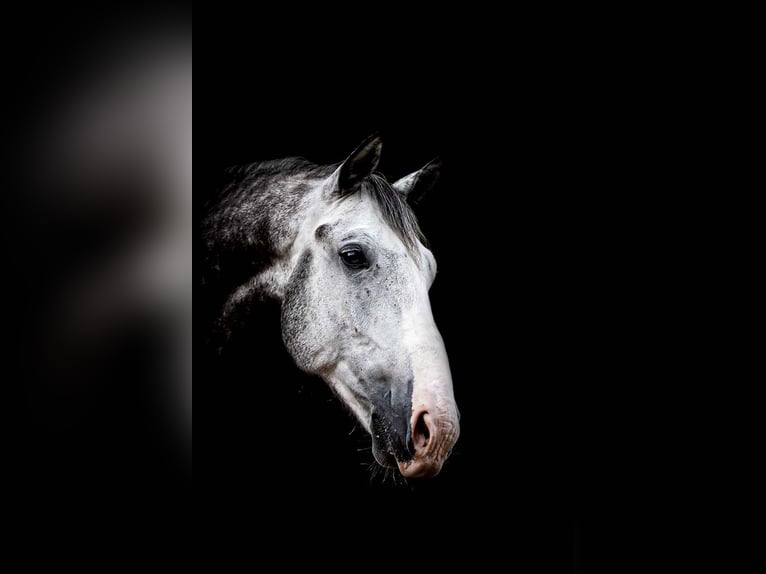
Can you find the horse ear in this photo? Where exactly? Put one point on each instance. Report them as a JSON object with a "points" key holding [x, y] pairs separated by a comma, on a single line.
{"points": [[415, 185], [360, 164]]}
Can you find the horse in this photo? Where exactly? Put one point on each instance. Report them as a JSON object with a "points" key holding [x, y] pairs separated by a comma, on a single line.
{"points": [[339, 248]]}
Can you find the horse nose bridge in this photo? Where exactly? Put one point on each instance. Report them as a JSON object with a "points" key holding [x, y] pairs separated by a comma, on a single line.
{"points": [[428, 355], [420, 330]]}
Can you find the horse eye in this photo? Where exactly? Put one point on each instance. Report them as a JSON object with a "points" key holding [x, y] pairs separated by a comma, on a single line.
{"points": [[353, 257]]}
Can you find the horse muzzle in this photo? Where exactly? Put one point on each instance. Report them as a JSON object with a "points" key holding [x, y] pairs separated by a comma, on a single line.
{"points": [[418, 446]]}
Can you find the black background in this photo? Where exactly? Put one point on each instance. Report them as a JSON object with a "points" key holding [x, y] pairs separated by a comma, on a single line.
{"points": [[546, 204], [531, 226]]}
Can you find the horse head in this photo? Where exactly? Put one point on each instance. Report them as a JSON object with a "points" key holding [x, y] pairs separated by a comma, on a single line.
{"points": [[356, 311]]}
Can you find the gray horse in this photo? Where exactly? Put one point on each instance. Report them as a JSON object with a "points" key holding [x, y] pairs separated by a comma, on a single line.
{"points": [[340, 249]]}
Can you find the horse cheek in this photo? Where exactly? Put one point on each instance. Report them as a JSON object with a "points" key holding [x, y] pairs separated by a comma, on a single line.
{"points": [[299, 317]]}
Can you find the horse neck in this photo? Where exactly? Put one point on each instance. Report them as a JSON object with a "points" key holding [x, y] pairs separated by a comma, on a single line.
{"points": [[285, 207], [249, 234]]}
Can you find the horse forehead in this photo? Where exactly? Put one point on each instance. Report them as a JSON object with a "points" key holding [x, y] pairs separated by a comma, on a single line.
{"points": [[361, 214], [359, 207]]}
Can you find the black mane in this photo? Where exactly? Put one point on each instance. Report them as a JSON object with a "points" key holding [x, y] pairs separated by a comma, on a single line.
{"points": [[289, 166], [396, 211], [394, 207]]}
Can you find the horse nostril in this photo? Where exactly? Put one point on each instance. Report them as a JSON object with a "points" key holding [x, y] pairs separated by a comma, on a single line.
{"points": [[422, 433], [431, 443]]}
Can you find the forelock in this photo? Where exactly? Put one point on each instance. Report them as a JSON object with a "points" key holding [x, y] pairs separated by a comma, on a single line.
{"points": [[396, 212]]}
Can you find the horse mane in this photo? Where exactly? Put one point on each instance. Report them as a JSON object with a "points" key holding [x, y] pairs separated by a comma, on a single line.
{"points": [[396, 211], [285, 167]]}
